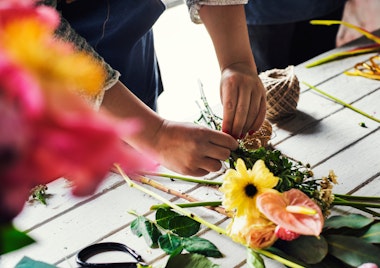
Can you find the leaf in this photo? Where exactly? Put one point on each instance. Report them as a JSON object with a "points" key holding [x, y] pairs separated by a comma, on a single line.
{"points": [[12, 239], [190, 261], [254, 260], [354, 221], [170, 244], [164, 215], [27, 262], [353, 251], [308, 249], [372, 235], [184, 226], [141, 226], [201, 246]]}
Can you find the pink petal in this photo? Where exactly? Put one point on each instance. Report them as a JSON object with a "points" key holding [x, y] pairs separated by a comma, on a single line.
{"points": [[273, 206]]}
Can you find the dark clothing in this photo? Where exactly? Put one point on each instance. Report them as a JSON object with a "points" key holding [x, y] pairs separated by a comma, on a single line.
{"points": [[281, 34], [120, 31]]}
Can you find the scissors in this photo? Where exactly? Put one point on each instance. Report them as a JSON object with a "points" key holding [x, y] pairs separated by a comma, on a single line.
{"points": [[98, 248]]}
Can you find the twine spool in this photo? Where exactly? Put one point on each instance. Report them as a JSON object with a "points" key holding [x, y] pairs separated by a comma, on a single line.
{"points": [[283, 92], [260, 138]]}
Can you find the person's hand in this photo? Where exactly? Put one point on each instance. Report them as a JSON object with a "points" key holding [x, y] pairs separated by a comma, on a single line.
{"points": [[191, 149], [244, 100], [362, 13]]}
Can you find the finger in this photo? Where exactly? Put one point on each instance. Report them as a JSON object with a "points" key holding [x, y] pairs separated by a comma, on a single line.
{"points": [[229, 101], [261, 116], [241, 112], [251, 115], [210, 164]]}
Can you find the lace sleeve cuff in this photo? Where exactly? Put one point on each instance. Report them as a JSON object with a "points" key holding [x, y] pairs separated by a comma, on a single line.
{"points": [[195, 5]]}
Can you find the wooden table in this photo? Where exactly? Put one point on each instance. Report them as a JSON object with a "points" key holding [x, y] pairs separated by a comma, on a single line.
{"points": [[323, 133]]}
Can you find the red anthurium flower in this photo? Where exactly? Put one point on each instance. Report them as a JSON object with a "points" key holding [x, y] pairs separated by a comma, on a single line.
{"points": [[292, 210]]}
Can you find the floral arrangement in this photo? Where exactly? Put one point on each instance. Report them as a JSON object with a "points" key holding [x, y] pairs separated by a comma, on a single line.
{"points": [[277, 209], [46, 116]]}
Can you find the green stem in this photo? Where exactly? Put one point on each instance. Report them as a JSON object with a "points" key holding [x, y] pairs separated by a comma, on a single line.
{"points": [[170, 204], [170, 176], [356, 204], [189, 205], [279, 259], [342, 102], [357, 197]]}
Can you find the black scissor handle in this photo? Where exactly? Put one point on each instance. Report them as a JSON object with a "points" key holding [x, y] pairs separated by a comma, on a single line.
{"points": [[95, 249]]}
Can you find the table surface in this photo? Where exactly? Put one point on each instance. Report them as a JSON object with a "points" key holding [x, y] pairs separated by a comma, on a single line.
{"points": [[322, 133]]}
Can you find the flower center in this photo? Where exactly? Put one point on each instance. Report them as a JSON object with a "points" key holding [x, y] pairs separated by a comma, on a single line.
{"points": [[250, 190]]}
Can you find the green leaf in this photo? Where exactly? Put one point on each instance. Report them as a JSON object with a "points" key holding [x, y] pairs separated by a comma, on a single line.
{"points": [[27, 262], [354, 221], [12, 239], [163, 217], [190, 261], [184, 226], [171, 244], [202, 246], [372, 235], [141, 226], [254, 260], [308, 249], [353, 251]]}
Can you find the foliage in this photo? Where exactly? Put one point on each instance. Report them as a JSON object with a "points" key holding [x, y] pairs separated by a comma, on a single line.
{"points": [[174, 233]]}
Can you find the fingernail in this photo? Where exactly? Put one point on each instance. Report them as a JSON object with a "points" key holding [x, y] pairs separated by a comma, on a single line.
{"points": [[251, 132]]}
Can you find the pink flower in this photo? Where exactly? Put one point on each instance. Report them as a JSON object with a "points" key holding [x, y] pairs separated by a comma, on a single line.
{"points": [[21, 9], [284, 234], [292, 210], [368, 265]]}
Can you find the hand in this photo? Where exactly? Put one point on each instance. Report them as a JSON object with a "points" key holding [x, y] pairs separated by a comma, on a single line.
{"points": [[362, 13], [244, 100], [191, 149]]}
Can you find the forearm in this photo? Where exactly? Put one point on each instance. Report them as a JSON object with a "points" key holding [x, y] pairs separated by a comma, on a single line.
{"points": [[227, 28], [122, 103]]}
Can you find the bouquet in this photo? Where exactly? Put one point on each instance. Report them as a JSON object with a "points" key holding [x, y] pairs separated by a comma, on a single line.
{"points": [[276, 208], [48, 127]]}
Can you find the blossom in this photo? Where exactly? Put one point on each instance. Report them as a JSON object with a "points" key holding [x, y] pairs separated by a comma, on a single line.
{"points": [[241, 187], [292, 210], [50, 130], [53, 62], [255, 232]]}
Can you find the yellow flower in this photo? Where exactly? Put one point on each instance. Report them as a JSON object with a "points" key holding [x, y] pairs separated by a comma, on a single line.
{"points": [[241, 187], [54, 63], [253, 232]]}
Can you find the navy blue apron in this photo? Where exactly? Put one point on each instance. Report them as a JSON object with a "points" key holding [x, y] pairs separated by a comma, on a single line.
{"points": [[121, 32]]}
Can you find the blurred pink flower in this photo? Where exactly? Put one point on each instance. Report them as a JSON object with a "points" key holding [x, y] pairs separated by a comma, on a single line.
{"points": [[47, 129], [292, 210], [21, 9]]}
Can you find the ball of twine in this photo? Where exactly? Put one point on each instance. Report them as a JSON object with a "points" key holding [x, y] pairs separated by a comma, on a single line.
{"points": [[260, 138], [283, 92]]}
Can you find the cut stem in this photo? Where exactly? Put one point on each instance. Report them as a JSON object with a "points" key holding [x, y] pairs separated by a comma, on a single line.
{"points": [[178, 209], [342, 102], [190, 205], [176, 177]]}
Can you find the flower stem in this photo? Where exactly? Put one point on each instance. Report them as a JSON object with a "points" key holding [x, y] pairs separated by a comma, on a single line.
{"points": [[279, 259], [170, 204], [342, 102], [189, 205], [170, 176], [356, 197]]}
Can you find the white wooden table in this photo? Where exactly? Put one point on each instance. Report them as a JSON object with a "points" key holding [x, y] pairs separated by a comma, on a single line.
{"points": [[323, 133]]}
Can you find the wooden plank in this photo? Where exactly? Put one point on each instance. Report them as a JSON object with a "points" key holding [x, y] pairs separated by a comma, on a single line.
{"points": [[327, 137]]}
